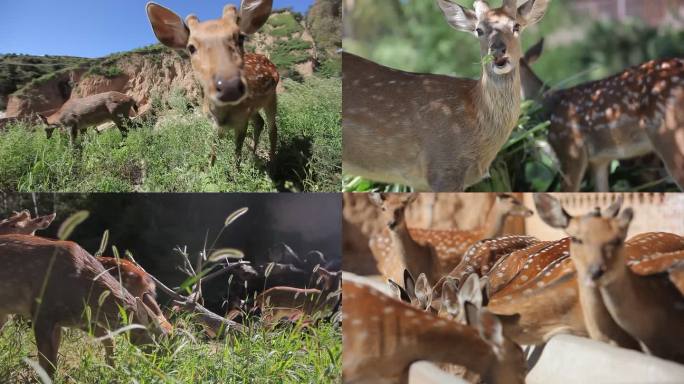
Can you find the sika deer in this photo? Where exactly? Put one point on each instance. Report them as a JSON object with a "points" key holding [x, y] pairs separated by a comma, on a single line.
{"points": [[632, 113], [55, 283], [649, 308], [435, 252], [436, 132], [236, 84], [78, 114], [382, 337]]}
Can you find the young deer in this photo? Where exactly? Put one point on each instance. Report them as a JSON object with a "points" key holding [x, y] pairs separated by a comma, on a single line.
{"points": [[382, 337], [22, 223], [441, 132], [236, 84], [78, 114], [649, 308], [57, 284], [632, 113]]}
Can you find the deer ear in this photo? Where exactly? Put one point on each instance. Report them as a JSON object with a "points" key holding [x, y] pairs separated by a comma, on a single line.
{"points": [[625, 218], [450, 297], [254, 14], [409, 283], [458, 17], [399, 291], [423, 291], [470, 291], [614, 208], [532, 12], [376, 198], [167, 26], [551, 211], [534, 52]]}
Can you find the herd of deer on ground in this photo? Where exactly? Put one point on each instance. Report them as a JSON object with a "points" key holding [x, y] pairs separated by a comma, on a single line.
{"points": [[504, 292], [440, 133], [55, 284]]}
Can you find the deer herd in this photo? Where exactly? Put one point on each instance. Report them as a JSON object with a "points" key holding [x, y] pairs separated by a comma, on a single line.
{"points": [[55, 284], [504, 292]]}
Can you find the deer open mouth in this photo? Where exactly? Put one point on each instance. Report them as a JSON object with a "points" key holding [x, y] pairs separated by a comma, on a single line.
{"points": [[502, 65]]}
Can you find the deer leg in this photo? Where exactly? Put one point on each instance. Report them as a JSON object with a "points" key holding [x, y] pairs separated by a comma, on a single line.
{"points": [[119, 122], [48, 337], [573, 168], [108, 344], [668, 142], [49, 131], [258, 128], [240, 134], [271, 109], [599, 172], [73, 133]]}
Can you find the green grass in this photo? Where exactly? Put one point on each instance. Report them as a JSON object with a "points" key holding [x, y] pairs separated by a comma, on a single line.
{"points": [[286, 53], [283, 24], [286, 354], [174, 156]]}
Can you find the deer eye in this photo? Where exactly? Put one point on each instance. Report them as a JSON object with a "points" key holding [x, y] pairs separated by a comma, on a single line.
{"points": [[576, 240], [192, 49], [479, 31], [516, 28]]}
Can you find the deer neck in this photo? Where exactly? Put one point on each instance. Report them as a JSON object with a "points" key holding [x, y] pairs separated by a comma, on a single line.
{"points": [[494, 225], [598, 320], [417, 258], [499, 103], [441, 343]]}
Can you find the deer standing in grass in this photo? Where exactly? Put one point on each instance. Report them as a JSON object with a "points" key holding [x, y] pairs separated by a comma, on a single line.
{"points": [[57, 284], [236, 85], [382, 337], [78, 114], [633, 113], [649, 308], [436, 132]]}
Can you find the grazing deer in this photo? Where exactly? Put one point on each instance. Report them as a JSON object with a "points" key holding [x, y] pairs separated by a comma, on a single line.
{"points": [[22, 223], [287, 302], [56, 284], [236, 84], [436, 132], [138, 283], [382, 337], [78, 114], [649, 308], [630, 114]]}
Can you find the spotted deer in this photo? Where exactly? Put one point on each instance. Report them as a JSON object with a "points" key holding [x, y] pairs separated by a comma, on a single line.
{"points": [[77, 114], [382, 337], [648, 307], [633, 113], [441, 132], [236, 85], [434, 252], [56, 283]]}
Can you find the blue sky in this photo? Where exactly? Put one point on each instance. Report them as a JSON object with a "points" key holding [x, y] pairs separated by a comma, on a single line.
{"points": [[94, 28]]}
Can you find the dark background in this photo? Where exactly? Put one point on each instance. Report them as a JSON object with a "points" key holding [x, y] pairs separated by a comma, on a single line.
{"points": [[152, 225]]}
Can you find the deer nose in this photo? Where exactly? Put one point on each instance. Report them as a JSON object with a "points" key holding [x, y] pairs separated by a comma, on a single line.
{"points": [[596, 272], [498, 49], [230, 90]]}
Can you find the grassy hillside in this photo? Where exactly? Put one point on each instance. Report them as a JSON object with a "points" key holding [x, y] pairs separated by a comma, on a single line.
{"points": [[18, 70], [174, 156], [289, 354]]}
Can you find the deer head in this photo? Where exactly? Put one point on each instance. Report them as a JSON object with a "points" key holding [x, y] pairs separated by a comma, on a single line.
{"points": [[597, 240], [507, 205], [22, 223], [498, 29], [216, 47], [393, 206]]}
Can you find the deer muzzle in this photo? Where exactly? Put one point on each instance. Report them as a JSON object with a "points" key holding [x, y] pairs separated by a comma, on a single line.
{"points": [[230, 90]]}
